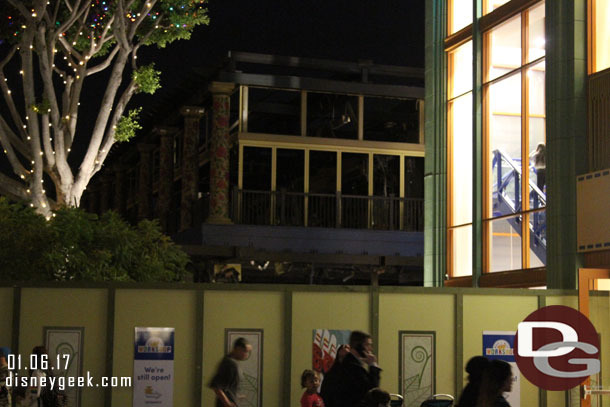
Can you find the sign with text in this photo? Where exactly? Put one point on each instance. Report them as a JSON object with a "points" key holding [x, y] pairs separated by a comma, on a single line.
{"points": [[153, 367], [501, 345]]}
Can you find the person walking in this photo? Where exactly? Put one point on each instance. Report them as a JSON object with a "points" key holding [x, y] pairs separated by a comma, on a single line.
{"points": [[226, 381]]}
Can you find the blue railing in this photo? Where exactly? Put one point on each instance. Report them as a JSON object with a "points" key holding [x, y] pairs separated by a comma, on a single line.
{"points": [[507, 200]]}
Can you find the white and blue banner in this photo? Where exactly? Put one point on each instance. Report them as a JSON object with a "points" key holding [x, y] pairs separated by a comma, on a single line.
{"points": [[501, 345], [153, 367]]}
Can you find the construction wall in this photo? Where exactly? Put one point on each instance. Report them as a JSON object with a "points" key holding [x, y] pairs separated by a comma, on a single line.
{"points": [[288, 316]]}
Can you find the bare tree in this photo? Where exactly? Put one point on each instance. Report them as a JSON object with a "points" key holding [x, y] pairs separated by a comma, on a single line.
{"points": [[57, 45]]}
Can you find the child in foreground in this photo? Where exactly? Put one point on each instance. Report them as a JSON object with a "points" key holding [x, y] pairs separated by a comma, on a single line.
{"points": [[310, 381]]}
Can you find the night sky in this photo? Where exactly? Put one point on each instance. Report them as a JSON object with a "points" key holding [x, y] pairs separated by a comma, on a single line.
{"points": [[385, 31]]}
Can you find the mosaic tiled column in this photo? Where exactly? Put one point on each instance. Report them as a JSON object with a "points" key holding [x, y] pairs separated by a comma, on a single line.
{"points": [[190, 164], [219, 153], [166, 175], [119, 198], [145, 180]]}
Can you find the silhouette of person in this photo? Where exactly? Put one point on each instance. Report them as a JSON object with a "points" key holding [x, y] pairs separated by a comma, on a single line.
{"points": [[475, 368], [497, 379]]}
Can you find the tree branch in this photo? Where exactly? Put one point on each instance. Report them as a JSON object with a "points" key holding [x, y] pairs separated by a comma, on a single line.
{"points": [[21, 8], [73, 16], [13, 189], [103, 65], [146, 7], [111, 128], [18, 168], [46, 143], [14, 140]]}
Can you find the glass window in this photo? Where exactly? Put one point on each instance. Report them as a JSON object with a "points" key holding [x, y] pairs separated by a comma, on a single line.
{"points": [[601, 35], [290, 170], [536, 33], [323, 172], [460, 12], [504, 124], [460, 66], [537, 238], [257, 169], [513, 131], [414, 177], [460, 111], [491, 5], [505, 245], [537, 136], [332, 116], [354, 174], [505, 48], [461, 249], [391, 120], [274, 111]]}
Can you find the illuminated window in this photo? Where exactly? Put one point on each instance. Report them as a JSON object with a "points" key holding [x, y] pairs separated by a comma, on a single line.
{"points": [[460, 159], [460, 12], [491, 5], [514, 133], [600, 35], [513, 138]]}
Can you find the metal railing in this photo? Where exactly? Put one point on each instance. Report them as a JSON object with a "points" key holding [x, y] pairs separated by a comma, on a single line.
{"points": [[282, 208]]}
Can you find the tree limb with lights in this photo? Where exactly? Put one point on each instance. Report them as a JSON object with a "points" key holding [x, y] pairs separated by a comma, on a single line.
{"points": [[58, 45]]}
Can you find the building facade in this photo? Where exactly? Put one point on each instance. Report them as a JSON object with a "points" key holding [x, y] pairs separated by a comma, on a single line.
{"points": [[517, 107], [292, 165]]}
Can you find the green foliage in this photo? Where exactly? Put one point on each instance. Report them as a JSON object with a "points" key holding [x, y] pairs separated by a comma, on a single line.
{"points": [[127, 126], [147, 79], [42, 107], [75, 245], [24, 237], [165, 22]]}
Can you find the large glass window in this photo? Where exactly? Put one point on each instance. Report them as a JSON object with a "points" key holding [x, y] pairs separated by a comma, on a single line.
{"points": [[460, 160], [514, 128], [513, 137], [600, 35]]}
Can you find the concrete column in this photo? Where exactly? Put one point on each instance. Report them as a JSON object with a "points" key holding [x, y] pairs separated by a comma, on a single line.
{"points": [[145, 180], [166, 174], [219, 153], [190, 164], [120, 181]]}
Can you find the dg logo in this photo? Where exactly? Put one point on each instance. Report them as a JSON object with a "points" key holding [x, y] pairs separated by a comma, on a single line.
{"points": [[557, 348]]}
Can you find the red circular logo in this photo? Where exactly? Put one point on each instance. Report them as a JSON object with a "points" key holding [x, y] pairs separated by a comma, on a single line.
{"points": [[557, 348]]}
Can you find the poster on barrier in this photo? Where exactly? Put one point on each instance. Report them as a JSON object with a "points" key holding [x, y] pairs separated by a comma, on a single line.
{"points": [[153, 367]]}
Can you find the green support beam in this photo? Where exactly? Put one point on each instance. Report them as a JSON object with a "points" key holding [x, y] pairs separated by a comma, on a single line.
{"points": [[566, 121], [435, 172]]}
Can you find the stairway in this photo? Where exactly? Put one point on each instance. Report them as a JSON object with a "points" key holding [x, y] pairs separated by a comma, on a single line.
{"points": [[507, 200]]}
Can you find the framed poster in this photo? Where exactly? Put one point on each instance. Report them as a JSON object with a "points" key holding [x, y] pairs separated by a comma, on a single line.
{"points": [[326, 342], [417, 358], [65, 344], [252, 368]]}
